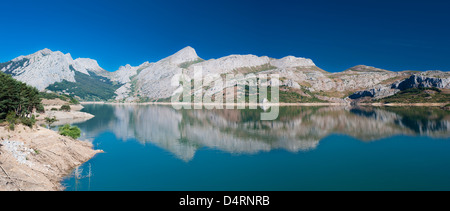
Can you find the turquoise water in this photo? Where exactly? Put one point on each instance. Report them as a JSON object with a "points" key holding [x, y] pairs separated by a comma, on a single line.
{"points": [[306, 148]]}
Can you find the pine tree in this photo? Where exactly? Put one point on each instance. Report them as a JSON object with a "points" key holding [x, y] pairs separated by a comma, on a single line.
{"points": [[17, 97]]}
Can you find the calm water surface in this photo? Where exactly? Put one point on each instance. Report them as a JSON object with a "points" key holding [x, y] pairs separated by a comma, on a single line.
{"points": [[306, 148]]}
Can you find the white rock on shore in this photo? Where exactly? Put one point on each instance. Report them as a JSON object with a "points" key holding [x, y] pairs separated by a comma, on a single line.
{"points": [[18, 151]]}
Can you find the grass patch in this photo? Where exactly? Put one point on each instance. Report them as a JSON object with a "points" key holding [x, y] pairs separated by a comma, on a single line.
{"points": [[186, 65], [394, 79], [63, 97], [294, 97], [311, 69], [254, 69], [418, 95]]}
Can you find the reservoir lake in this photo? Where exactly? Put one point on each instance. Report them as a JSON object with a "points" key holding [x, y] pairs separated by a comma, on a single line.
{"points": [[158, 148]]}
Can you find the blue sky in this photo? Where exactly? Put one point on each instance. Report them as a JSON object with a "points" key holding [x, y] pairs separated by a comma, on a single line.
{"points": [[395, 35]]}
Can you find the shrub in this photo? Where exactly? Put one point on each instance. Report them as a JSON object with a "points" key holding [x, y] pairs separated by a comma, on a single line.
{"points": [[11, 118], [74, 101], [40, 109], [50, 121], [28, 121], [65, 108], [70, 131], [54, 109]]}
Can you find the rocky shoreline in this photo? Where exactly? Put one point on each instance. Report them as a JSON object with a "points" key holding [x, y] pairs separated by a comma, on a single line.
{"points": [[38, 159], [64, 117]]}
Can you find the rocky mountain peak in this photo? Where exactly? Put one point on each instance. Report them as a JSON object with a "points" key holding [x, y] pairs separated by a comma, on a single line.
{"points": [[36, 56], [364, 68], [125, 68], [44, 51], [186, 54], [128, 67], [124, 74], [41, 69], [292, 61], [86, 65], [49, 67]]}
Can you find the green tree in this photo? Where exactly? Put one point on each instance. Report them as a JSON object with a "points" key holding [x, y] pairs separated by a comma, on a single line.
{"points": [[65, 108], [11, 119], [74, 101], [17, 97], [50, 121], [28, 121], [70, 131], [40, 109]]}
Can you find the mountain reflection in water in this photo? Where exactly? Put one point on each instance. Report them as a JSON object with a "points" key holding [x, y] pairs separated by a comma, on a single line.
{"points": [[183, 132]]}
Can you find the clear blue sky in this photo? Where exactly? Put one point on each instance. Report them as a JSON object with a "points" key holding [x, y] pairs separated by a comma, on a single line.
{"points": [[395, 35]]}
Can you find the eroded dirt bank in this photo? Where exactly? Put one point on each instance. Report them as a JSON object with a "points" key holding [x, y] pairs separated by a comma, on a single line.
{"points": [[38, 159]]}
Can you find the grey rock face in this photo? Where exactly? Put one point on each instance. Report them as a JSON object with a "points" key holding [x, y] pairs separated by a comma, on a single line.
{"points": [[376, 92], [421, 81], [292, 84], [125, 73], [429, 79], [41, 69], [154, 81], [46, 67]]}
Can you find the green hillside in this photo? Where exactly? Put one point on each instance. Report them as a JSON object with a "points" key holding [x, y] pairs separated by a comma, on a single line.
{"points": [[87, 88]]}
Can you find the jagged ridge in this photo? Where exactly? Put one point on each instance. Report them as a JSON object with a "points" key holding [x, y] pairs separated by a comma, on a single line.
{"points": [[152, 81]]}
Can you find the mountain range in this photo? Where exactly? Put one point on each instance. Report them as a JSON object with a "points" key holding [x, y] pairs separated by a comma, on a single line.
{"points": [[301, 79]]}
